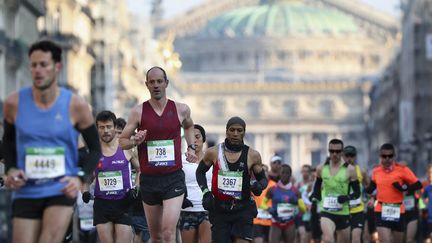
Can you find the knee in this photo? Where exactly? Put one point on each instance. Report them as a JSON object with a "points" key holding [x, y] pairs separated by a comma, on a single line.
{"points": [[168, 235], [328, 239]]}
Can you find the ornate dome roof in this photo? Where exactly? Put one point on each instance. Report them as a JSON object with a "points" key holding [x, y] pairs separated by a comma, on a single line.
{"points": [[278, 20]]}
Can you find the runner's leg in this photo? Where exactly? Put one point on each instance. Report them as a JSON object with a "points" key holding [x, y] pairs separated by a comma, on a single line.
{"points": [[55, 221], [153, 215], [25, 230], [384, 234], [105, 232], [170, 217], [328, 228], [123, 233], [204, 231]]}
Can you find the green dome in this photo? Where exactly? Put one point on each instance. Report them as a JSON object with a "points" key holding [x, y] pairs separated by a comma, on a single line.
{"points": [[279, 19]]}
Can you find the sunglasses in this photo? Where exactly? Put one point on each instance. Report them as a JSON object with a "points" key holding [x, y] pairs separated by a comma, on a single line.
{"points": [[387, 156], [350, 155], [335, 151]]}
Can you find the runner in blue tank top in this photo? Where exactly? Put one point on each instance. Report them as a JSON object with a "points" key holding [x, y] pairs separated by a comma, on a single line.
{"points": [[113, 192], [41, 130]]}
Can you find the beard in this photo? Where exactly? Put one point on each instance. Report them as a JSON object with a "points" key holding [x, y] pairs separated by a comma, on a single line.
{"points": [[46, 86], [107, 139]]}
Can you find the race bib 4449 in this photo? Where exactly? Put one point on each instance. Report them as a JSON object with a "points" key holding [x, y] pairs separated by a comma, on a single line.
{"points": [[45, 163]]}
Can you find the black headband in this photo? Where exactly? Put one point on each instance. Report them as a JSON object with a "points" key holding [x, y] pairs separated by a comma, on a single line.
{"points": [[236, 120]]}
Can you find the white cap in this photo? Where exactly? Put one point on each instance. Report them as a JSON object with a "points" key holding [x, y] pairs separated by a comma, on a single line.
{"points": [[275, 158]]}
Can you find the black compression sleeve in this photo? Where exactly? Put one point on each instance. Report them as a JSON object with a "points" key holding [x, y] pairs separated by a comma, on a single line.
{"points": [[415, 186], [355, 185], [316, 192], [9, 146], [371, 188], [200, 175], [91, 138], [261, 179]]}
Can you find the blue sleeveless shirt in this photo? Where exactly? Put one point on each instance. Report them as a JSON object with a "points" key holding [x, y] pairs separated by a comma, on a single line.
{"points": [[46, 145], [113, 176]]}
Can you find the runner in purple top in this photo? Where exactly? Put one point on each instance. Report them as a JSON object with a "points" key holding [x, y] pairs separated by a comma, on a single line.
{"points": [[113, 184]]}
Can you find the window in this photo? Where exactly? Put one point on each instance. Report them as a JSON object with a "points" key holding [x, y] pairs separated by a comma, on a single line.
{"points": [[290, 108], [218, 108], [253, 108]]}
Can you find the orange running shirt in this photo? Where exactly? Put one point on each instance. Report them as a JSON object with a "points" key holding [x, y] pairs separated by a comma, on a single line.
{"points": [[258, 200], [385, 192]]}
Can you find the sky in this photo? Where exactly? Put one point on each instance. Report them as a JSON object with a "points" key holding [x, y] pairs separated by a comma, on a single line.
{"points": [[173, 7]]}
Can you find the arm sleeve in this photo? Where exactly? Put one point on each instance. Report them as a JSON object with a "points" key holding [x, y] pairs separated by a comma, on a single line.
{"points": [[355, 185], [9, 146], [200, 175], [415, 186], [91, 138], [316, 192], [261, 179], [371, 188]]}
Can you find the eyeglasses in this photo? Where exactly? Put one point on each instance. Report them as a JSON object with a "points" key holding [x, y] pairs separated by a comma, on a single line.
{"points": [[387, 156], [350, 155], [335, 151]]}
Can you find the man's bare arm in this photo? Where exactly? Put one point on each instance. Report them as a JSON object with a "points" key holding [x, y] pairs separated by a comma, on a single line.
{"points": [[126, 139]]}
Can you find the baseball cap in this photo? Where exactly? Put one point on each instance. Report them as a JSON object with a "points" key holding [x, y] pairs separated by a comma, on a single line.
{"points": [[276, 158], [350, 150]]}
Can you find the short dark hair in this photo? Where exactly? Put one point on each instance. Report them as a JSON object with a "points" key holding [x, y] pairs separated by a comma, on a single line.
{"points": [[309, 167], [120, 123], [336, 141], [387, 146], [202, 131], [47, 46], [104, 116], [286, 166], [157, 67]]}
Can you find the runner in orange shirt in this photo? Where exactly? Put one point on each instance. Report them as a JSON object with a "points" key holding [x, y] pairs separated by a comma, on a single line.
{"points": [[262, 222], [391, 179]]}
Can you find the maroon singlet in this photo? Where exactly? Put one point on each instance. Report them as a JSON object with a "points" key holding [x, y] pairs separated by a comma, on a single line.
{"points": [[164, 127]]}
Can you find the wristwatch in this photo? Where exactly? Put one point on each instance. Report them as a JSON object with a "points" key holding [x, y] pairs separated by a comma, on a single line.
{"points": [[192, 146]]}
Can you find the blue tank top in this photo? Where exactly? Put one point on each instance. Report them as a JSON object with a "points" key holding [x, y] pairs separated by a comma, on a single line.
{"points": [[46, 145], [113, 176], [284, 204]]}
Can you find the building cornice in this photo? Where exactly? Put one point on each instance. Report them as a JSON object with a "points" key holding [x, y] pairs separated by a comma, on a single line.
{"points": [[231, 88]]}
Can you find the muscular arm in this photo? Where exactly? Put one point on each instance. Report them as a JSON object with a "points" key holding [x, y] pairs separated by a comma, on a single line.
{"points": [[133, 121], [354, 183], [258, 171], [131, 155], [133, 159], [187, 123], [352, 174], [83, 121]]}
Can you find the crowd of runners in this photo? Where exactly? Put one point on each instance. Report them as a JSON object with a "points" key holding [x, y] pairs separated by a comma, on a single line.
{"points": [[75, 178]]}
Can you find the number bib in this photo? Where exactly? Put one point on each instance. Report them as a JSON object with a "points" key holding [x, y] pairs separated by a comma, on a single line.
{"points": [[230, 183], [409, 203], [45, 163], [390, 212], [355, 203], [161, 153], [263, 214], [286, 211], [331, 204], [110, 180], [86, 224]]}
